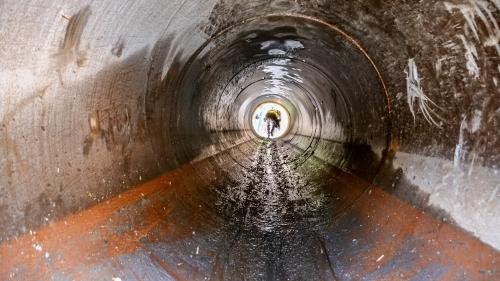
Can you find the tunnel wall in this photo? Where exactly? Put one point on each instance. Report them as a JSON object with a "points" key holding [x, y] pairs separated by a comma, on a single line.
{"points": [[90, 104], [77, 99]]}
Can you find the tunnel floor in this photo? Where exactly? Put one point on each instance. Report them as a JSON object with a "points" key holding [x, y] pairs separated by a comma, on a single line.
{"points": [[278, 215]]}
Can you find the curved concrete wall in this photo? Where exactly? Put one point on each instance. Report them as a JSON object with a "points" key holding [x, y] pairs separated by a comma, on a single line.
{"points": [[99, 96]]}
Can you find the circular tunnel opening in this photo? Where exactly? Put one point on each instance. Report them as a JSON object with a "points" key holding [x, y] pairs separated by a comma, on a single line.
{"points": [[335, 97], [275, 198], [270, 120]]}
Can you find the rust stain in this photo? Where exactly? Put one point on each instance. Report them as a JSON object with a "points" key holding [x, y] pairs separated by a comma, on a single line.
{"points": [[70, 46], [91, 236], [74, 30], [112, 124], [439, 243], [118, 226], [76, 232], [395, 145]]}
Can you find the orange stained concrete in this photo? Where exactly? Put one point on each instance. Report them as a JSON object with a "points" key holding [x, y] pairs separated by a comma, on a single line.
{"points": [[121, 226]]}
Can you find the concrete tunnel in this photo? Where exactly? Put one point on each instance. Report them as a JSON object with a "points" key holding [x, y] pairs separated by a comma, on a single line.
{"points": [[128, 150]]}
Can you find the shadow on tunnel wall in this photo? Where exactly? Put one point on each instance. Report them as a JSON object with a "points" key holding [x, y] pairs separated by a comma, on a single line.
{"points": [[134, 134], [377, 170]]}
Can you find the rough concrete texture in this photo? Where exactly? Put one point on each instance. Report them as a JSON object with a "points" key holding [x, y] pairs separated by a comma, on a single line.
{"points": [[97, 97], [268, 219]]}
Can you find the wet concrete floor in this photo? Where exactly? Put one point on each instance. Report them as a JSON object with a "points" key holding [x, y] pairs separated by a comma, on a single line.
{"points": [[267, 212]]}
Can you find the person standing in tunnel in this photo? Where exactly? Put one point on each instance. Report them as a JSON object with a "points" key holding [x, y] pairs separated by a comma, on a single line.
{"points": [[272, 119]]}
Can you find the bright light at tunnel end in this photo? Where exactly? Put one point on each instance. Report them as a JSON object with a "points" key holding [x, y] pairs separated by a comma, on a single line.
{"points": [[265, 127]]}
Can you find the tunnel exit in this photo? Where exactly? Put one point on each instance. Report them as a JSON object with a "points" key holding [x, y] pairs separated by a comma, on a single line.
{"points": [[270, 120]]}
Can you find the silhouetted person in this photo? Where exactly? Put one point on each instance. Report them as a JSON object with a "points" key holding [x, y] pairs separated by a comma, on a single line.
{"points": [[273, 118]]}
